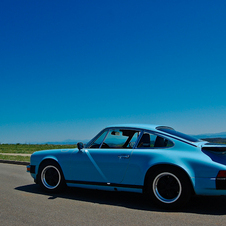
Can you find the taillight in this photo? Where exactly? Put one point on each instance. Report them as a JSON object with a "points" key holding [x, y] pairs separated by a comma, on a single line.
{"points": [[221, 174], [221, 180]]}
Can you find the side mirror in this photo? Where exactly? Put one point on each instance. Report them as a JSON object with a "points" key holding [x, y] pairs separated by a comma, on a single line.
{"points": [[80, 146]]}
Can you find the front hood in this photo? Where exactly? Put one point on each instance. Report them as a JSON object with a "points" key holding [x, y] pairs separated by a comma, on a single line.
{"points": [[54, 151]]}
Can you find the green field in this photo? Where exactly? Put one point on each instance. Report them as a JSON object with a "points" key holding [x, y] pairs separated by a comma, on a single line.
{"points": [[26, 149], [30, 148], [15, 158]]}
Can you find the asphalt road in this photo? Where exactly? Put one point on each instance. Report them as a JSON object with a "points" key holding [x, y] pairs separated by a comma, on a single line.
{"points": [[23, 203]]}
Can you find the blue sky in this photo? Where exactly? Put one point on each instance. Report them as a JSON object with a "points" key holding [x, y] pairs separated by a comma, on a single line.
{"points": [[70, 68]]}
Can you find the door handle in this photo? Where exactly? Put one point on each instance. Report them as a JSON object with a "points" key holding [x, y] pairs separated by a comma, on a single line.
{"points": [[123, 156]]}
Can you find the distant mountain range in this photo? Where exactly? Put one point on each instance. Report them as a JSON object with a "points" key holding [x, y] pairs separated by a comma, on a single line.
{"points": [[211, 135], [69, 141]]}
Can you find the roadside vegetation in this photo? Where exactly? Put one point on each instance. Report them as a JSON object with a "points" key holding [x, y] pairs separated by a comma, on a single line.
{"points": [[30, 148], [15, 158], [26, 149]]}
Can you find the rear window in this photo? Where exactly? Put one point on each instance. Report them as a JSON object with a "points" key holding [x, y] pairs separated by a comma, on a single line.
{"points": [[178, 134]]}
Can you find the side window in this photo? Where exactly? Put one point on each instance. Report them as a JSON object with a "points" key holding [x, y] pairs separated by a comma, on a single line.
{"points": [[120, 138], [149, 140], [133, 140], [98, 141]]}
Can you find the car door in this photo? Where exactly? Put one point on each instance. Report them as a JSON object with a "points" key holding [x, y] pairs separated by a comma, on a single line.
{"points": [[151, 148], [106, 159]]}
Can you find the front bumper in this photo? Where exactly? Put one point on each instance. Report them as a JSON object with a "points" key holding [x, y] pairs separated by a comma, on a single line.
{"points": [[31, 169]]}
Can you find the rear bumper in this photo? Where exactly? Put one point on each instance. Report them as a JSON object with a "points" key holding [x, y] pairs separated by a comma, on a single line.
{"points": [[210, 186], [221, 183]]}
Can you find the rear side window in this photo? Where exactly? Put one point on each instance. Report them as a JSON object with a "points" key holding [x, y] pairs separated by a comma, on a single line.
{"points": [[149, 140]]}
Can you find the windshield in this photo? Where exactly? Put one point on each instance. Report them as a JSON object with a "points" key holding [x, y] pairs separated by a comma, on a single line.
{"points": [[178, 134]]}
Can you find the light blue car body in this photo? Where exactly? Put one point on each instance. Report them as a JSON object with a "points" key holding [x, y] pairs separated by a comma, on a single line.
{"points": [[126, 169]]}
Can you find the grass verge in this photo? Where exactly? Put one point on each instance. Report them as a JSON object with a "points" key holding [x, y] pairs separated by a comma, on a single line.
{"points": [[26, 149], [15, 158], [30, 148]]}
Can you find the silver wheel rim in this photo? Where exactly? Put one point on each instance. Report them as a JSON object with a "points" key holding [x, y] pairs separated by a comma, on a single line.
{"points": [[50, 177], [167, 187]]}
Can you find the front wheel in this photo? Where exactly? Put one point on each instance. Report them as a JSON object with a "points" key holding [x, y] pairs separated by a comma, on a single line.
{"points": [[169, 188], [51, 177]]}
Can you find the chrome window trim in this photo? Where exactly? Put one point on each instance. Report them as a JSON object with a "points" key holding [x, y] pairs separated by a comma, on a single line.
{"points": [[104, 138], [95, 138]]}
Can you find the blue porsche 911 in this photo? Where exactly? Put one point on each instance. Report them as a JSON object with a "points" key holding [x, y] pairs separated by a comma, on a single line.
{"points": [[167, 165]]}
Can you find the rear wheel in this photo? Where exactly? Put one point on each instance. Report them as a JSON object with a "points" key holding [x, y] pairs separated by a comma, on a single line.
{"points": [[169, 187], [51, 177]]}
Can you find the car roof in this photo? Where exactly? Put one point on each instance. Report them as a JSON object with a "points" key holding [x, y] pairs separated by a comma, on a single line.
{"points": [[138, 126]]}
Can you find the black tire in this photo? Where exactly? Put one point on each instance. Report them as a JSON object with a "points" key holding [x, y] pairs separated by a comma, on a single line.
{"points": [[50, 177], [169, 187]]}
